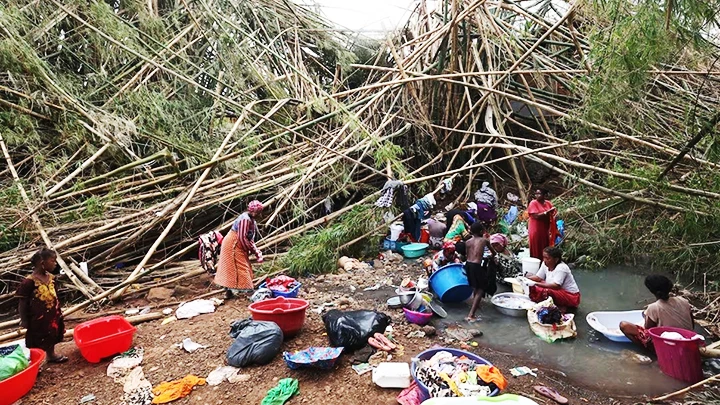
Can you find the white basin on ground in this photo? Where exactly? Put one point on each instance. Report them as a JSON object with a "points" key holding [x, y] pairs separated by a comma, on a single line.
{"points": [[608, 322]]}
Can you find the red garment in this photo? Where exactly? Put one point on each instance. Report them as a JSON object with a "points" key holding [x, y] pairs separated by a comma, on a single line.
{"points": [[539, 229], [561, 298], [281, 283]]}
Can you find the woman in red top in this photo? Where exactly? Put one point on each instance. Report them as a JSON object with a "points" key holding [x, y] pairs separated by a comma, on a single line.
{"points": [[540, 223]]}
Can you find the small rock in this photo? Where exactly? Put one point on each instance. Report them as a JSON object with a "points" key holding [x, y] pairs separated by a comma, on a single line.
{"points": [[181, 291], [312, 290], [429, 330], [159, 294], [475, 332]]}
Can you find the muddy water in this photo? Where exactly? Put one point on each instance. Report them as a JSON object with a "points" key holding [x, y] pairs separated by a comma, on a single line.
{"points": [[590, 358]]}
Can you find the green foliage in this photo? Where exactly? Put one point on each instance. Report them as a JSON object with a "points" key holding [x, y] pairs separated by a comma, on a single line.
{"points": [[629, 39], [317, 251]]}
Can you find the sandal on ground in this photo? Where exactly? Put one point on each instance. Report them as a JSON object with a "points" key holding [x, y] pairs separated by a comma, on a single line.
{"points": [[385, 341], [378, 345], [550, 393], [59, 359]]}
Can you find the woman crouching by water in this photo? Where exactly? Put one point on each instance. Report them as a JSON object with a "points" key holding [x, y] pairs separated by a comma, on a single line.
{"points": [[668, 310], [234, 271], [554, 279]]}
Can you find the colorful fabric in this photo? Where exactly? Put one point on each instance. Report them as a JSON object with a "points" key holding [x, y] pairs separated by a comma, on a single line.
{"points": [[319, 357], [458, 229], [247, 231], [491, 374], [234, 270], [644, 338], [386, 199], [278, 395], [562, 298], [281, 283], [486, 195], [255, 206], [169, 391], [508, 265], [410, 395], [539, 228], [499, 239], [209, 251], [46, 325], [486, 213]]}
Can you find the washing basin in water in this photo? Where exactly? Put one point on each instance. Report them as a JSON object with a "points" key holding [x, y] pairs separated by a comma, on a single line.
{"points": [[608, 322]]}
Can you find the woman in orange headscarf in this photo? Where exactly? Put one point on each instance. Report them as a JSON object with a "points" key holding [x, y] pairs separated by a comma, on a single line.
{"points": [[234, 271]]}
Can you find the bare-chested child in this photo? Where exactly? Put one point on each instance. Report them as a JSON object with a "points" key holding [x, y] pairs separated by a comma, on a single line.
{"points": [[475, 268]]}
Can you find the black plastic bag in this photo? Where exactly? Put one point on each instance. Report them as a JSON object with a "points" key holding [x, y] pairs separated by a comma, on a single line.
{"points": [[256, 342], [352, 329]]}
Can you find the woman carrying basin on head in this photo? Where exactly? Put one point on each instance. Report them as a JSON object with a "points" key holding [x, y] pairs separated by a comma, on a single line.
{"points": [[554, 279], [668, 310]]}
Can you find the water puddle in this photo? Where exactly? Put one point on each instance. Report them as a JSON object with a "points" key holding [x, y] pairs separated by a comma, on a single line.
{"points": [[590, 359]]}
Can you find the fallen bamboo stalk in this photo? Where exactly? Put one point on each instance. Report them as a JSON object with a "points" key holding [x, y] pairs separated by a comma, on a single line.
{"points": [[687, 389]]}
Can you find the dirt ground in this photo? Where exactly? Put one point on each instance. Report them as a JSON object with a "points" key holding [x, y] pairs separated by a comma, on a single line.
{"points": [[68, 383]]}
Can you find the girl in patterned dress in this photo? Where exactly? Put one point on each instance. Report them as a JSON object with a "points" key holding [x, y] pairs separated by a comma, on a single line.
{"points": [[39, 306]]}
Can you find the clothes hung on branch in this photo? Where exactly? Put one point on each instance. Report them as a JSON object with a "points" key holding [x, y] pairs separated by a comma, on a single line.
{"points": [[388, 193]]}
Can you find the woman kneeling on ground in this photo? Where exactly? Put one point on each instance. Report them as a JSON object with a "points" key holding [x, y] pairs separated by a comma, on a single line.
{"points": [[555, 280], [668, 310]]}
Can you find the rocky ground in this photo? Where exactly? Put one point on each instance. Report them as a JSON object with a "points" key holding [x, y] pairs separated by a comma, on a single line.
{"points": [[68, 383]]}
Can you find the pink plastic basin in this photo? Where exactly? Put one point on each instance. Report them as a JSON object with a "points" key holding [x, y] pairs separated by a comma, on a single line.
{"points": [[104, 337], [680, 359], [287, 313], [17, 386]]}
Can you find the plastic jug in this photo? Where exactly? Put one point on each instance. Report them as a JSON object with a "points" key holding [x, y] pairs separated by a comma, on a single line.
{"points": [[395, 231], [392, 375]]}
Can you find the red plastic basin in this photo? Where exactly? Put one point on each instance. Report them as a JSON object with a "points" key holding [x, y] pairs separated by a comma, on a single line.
{"points": [[104, 337], [21, 383], [287, 313]]}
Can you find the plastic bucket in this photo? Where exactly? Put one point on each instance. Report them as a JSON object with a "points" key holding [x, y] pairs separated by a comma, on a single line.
{"points": [[680, 359], [530, 265], [450, 283], [395, 231]]}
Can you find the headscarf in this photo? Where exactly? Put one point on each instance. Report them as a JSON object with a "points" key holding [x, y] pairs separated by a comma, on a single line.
{"points": [[448, 245], [500, 239], [255, 207]]}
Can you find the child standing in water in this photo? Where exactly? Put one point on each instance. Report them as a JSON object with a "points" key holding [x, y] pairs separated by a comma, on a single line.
{"points": [[476, 267], [39, 307]]}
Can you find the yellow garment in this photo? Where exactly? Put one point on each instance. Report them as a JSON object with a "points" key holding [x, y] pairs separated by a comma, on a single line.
{"points": [[169, 391], [453, 387], [491, 374]]}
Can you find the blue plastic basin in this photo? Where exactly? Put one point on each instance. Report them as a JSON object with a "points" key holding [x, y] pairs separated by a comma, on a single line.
{"points": [[427, 354], [451, 284]]}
